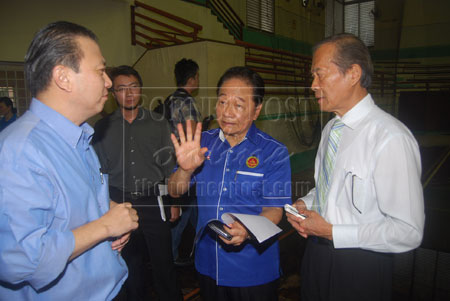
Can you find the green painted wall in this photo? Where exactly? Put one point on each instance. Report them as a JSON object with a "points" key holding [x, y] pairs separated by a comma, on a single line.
{"points": [[412, 30], [418, 27], [276, 41], [302, 161], [425, 53]]}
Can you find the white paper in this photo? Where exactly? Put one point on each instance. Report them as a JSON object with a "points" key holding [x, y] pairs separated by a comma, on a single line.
{"points": [[163, 189], [261, 227], [161, 208]]}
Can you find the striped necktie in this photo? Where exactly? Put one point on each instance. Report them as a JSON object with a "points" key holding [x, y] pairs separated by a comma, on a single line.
{"points": [[326, 170]]}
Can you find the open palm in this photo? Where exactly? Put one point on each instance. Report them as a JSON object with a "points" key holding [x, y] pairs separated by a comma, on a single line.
{"points": [[188, 151]]}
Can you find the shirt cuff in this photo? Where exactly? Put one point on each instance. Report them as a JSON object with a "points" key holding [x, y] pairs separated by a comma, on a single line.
{"points": [[55, 260], [308, 199], [278, 201], [345, 236]]}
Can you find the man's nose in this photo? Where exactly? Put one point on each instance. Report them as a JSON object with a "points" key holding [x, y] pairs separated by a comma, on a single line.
{"points": [[315, 84], [108, 82], [228, 110]]}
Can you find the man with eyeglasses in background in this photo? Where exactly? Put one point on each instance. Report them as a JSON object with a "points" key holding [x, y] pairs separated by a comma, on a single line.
{"points": [[134, 148]]}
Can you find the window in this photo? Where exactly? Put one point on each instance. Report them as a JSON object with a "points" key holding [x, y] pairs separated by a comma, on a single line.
{"points": [[7, 91], [260, 15], [12, 84], [351, 16]]}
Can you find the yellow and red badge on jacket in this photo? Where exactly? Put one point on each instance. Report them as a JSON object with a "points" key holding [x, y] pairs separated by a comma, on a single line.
{"points": [[252, 162]]}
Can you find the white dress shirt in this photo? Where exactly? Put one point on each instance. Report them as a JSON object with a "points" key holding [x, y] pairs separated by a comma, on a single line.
{"points": [[375, 199]]}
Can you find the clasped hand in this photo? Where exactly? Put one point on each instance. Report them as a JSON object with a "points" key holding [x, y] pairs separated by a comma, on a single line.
{"points": [[121, 220], [313, 225], [239, 233]]}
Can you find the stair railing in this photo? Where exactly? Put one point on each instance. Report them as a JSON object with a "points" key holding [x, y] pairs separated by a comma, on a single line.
{"points": [[279, 68], [152, 26], [227, 16]]}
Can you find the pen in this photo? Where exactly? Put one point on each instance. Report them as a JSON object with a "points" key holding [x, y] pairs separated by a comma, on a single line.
{"points": [[208, 155], [353, 202], [101, 175], [353, 182]]}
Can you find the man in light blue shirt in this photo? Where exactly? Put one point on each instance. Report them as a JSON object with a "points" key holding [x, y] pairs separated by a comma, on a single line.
{"points": [[60, 239]]}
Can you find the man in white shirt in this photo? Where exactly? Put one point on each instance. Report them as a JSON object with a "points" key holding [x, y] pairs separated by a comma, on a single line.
{"points": [[368, 199]]}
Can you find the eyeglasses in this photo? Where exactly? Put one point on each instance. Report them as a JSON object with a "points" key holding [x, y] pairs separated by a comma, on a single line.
{"points": [[133, 88]]}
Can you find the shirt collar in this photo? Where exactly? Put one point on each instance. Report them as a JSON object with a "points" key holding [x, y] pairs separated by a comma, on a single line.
{"points": [[182, 90], [358, 112], [251, 135], [68, 131]]}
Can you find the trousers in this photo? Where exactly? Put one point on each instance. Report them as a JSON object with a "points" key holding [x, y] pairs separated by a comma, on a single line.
{"points": [[344, 274], [210, 291], [151, 242]]}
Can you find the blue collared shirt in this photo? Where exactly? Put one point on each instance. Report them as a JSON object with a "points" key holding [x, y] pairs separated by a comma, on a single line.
{"points": [[51, 185], [4, 123], [241, 179]]}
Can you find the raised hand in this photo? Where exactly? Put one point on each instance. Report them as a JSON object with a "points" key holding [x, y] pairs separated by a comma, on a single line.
{"points": [[188, 151]]}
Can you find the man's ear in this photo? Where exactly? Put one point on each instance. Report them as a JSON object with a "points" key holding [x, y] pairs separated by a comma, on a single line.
{"points": [[257, 111], [62, 77], [354, 73]]}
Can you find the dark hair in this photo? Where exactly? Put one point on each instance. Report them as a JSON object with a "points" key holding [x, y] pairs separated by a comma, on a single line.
{"points": [[55, 44], [184, 70], [248, 75], [8, 102], [350, 50], [124, 70]]}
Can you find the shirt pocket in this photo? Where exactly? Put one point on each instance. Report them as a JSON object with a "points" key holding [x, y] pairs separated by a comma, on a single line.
{"points": [[249, 183], [354, 194]]}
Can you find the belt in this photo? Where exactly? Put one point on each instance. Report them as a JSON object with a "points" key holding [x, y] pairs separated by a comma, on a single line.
{"points": [[117, 194], [138, 194], [321, 241]]}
